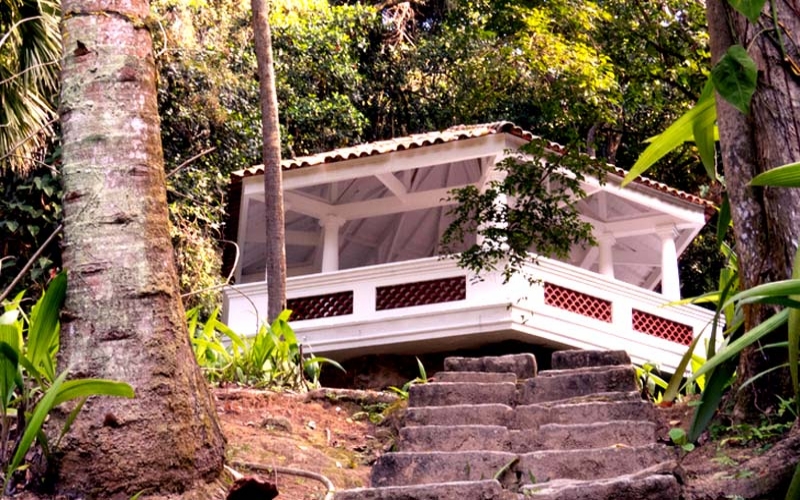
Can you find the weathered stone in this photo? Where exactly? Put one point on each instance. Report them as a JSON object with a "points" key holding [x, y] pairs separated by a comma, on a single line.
{"points": [[522, 365], [454, 438], [489, 414], [564, 360], [462, 490], [582, 436], [481, 377], [588, 464], [459, 393], [570, 385], [407, 468], [654, 487], [533, 416], [653, 483]]}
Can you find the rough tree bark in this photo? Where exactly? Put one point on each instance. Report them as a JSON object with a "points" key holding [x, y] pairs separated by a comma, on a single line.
{"points": [[766, 221], [273, 184], [123, 317]]}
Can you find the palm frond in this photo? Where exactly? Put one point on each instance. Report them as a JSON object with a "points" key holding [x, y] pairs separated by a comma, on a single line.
{"points": [[30, 49]]}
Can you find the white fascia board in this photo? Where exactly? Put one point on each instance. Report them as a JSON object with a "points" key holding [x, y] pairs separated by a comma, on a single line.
{"points": [[653, 199], [397, 161], [638, 226]]}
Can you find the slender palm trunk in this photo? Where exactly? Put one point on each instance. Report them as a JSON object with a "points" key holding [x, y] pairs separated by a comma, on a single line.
{"points": [[273, 185], [123, 317]]}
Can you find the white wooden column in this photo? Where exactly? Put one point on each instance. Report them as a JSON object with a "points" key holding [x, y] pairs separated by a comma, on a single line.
{"points": [[492, 175], [670, 280], [330, 242], [605, 261]]}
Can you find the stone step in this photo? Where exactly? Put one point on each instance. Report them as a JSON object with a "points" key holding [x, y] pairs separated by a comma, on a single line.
{"points": [[460, 393], [573, 371], [570, 385], [454, 438], [597, 397], [615, 406], [565, 360], [462, 490], [481, 377], [586, 464], [410, 468], [536, 415], [546, 437], [483, 414], [654, 483], [582, 436], [522, 365]]}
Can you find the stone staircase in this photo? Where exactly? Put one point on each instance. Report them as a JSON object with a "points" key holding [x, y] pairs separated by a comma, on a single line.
{"points": [[494, 429]]}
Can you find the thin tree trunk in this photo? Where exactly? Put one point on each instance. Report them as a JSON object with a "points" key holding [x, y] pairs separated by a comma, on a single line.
{"points": [[766, 221], [273, 185], [123, 317]]}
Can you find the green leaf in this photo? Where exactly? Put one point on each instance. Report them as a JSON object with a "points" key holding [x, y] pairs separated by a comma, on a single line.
{"points": [[794, 336], [40, 412], [783, 176], [682, 130], [678, 436], [704, 137], [422, 374], [671, 392], [44, 326], [735, 77], [735, 347], [793, 493], [751, 9], [711, 397], [70, 420], [320, 359], [79, 388], [9, 367], [775, 289]]}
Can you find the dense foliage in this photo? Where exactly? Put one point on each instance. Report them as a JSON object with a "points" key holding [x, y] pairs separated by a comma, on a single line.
{"points": [[545, 187]]}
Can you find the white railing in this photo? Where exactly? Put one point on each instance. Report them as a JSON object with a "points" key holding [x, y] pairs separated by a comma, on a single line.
{"points": [[489, 310]]}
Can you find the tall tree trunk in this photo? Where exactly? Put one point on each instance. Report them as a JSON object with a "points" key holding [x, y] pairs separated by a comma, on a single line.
{"points": [[273, 184], [123, 317], [766, 221]]}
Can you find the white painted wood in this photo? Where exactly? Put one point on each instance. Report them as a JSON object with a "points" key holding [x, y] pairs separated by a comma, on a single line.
{"points": [[330, 244], [491, 311], [670, 281], [306, 205], [394, 185], [606, 254]]}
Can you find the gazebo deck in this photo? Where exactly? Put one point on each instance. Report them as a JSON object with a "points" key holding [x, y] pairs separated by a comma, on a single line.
{"points": [[431, 304]]}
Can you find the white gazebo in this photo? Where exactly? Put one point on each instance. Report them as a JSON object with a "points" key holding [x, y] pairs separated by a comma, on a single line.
{"points": [[363, 226]]}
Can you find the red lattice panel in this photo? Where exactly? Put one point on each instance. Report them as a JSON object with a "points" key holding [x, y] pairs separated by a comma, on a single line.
{"points": [[421, 293], [321, 306], [661, 327], [577, 302]]}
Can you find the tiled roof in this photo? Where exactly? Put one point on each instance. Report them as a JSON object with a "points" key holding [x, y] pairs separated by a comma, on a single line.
{"points": [[452, 134]]}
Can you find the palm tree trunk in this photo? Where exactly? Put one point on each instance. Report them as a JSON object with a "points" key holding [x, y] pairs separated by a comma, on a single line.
{"points": [[123, 317], [273, 185]]}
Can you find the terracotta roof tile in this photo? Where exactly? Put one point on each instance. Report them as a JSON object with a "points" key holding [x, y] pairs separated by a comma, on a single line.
{"points": [[452, 134]]}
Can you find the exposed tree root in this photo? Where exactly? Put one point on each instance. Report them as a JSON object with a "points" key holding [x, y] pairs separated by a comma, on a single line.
{"points": [[283, 470], [763, 477]]}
